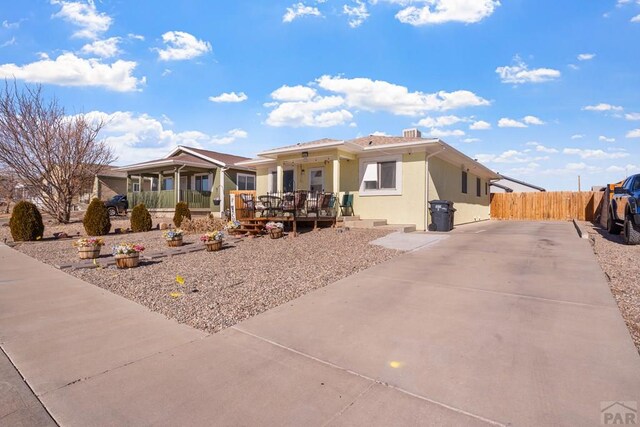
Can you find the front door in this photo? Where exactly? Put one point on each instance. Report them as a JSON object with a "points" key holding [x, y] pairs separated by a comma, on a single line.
{"points": [[316, 179], [287, 178]]}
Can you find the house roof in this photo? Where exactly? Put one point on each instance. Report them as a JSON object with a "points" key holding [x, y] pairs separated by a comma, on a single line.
{"points": [[373, 143], [189, 156], [112, 172], [517, 181], [504, 187]]}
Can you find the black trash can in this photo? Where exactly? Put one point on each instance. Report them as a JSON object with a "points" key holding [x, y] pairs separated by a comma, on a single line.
{"points": [[442, 212]]}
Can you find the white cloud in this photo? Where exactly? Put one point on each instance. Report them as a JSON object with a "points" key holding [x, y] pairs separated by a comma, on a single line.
{"points": [[378, 95], [509, 156], [135, 36], [532, 120], [229, 97], [293, 93], [357, 14], [520, 73], [471, 140], [181, 46], [139, 137], [319, 112], [442, 121], [577, 136], [442, 133], [70, 70], [166, 72], [442, 11], [632, 116], [107, 48], [606, 139], [633, 133], [10, 25], [586, 56], [91, 23], [595, 154], [541, 148], [510, 123], [635, 19], [299, 9], [9, 42], [628, 169], [378, 133], [480, 125], [602, 107]]}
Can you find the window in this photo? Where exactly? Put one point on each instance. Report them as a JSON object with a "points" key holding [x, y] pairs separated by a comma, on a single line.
{"points": [[273, 181], [464, 182], [246, 182], [478, 186], [202, 183], [136, 187], [486, 188], [167, 184], [316, 179], [381, 176], [154, 184]]}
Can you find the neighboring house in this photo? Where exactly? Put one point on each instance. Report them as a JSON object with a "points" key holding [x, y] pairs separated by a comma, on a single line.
{"points": [[202, 178], [506, 184], [109, 182], [390, 178]]}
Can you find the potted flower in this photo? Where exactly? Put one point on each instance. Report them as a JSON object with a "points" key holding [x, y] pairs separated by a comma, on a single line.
{"points": [[233, 226], [274, 229], [173, 237], [127, 255], [89, 248], [213, 240]]}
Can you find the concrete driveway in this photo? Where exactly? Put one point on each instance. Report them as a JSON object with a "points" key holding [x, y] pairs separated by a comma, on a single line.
{"points": [[501, 323]]}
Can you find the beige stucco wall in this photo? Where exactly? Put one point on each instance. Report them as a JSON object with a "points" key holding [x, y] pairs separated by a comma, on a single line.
{"points": [[446, 184]]}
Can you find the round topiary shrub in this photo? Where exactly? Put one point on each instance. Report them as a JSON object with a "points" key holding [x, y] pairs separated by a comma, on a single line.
{"points": [[140, 219], [26, 222], [182, 212], [96, 220]]}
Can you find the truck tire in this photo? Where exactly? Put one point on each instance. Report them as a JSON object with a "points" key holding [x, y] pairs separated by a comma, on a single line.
{"points": [[631, 233], [112, 211], [612, 226]]}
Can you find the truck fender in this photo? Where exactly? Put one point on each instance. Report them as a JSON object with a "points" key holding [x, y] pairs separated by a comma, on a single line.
{"points": [[633, 205]]}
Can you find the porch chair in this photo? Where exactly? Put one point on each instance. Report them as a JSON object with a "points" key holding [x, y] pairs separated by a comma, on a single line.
{"points": [[346, 204]]}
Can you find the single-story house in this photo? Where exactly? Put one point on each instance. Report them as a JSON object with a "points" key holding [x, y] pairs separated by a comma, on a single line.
{"points": [[511, 185], [389, 177], [202, 178]]}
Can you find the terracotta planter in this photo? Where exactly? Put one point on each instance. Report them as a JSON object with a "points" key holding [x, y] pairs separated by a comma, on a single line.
{"points": [[89, 252], [214, 245], [128, 261], [175, 242], [275, 233]]}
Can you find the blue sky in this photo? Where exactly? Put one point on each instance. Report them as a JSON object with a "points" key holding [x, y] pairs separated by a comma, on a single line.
{"points": [[532, 89]]}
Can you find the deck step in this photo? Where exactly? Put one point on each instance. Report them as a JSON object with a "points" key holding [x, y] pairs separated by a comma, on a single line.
{"points": [[365, 223], [402, 228]]}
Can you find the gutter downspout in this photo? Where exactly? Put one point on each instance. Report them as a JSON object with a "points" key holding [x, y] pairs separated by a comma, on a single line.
{"points": [[221, 187], [428, 183]]}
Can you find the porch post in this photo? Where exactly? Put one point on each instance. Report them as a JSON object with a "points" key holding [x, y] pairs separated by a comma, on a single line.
{"points": [[280, 178], [176, 185], [336, 176], [140, 182], [159, 182], [129, 189]]}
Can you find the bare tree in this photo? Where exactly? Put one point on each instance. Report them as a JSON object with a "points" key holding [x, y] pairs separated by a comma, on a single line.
{"points": [[8, 188], [55, 154]]}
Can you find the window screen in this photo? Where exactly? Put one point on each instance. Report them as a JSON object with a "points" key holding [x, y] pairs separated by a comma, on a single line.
{"points": [[464, 182], [381, 175], [478, 186]]}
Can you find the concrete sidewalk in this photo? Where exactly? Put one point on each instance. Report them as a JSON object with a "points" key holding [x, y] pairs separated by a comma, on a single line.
{"points": [[501, 323]]}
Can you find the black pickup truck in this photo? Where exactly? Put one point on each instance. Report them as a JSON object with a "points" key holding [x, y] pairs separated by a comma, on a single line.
{"points": [[624, 210], [118, 205]]}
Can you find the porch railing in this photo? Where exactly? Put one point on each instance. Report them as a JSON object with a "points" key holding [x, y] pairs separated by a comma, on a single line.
{"points": [[166, 199], [196, 199]]}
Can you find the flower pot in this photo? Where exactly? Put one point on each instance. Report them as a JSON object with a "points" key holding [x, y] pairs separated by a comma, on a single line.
{"points": [[216, 202], [127, 261], [275, 233], [89, 252], [175, 242], [214, 245]]}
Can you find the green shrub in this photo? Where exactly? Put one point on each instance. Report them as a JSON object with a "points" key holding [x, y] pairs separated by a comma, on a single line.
{"points": [[140, 219], [26, 222], [182, 212], [96, 220]]}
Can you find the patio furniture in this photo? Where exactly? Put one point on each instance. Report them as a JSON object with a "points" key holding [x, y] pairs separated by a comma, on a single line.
{"points": [[272, 204], [346, 204], [293, 203], [325, 204], [249, 204]]}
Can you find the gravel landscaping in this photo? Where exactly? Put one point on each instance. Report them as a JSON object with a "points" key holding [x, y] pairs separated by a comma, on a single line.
{"points": [[621, 264], [221, 288]]}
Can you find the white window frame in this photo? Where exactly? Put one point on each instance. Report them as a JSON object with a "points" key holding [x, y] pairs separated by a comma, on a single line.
{"points": [[194, 184], [274, 171], [246, 175], [135, 185], [383, 191]]}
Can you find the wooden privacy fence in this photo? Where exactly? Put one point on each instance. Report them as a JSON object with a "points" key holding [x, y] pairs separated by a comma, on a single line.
{"points": [[561, 205], [241, 211]]}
